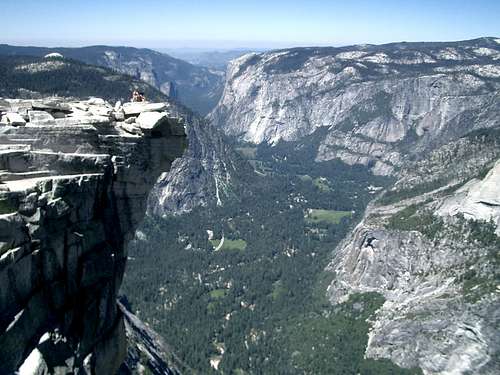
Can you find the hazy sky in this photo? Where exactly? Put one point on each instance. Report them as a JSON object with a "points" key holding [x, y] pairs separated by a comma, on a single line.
{"points": [[248, 23]]}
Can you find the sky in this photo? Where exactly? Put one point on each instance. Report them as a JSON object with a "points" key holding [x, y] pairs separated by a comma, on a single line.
{"points": [[226, 24]]}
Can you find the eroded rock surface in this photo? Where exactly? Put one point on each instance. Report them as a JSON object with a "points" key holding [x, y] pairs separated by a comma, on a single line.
{"points": [[477, 200], [203, 175], [74, 183], [429, 247]]}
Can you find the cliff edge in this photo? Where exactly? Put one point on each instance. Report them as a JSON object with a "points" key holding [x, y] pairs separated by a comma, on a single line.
{"points": [[74, 181]]}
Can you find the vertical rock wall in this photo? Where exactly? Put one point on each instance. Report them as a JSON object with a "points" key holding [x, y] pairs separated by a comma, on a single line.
{"points": [[72, 191]]}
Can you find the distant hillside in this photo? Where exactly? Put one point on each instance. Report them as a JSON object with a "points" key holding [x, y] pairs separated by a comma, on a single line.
{"points": [[194, 86], [218, 60], [24, 76]]}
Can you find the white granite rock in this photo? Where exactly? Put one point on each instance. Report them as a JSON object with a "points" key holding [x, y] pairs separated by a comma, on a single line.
{"points": [[135, 108], [40, 117], [148, 120], [477, 200], [359, 96], [15, 119]]}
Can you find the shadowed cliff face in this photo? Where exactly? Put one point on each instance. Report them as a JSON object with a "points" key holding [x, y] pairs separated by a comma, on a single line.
{"points": [[73, 187]]}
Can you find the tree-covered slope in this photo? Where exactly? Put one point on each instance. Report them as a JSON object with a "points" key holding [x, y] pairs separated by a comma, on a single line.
{"points": [[194, 86], [240, 286], [24, 76]]}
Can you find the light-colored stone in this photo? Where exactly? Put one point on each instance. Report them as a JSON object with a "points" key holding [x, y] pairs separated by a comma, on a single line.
{"points": [[370, 114], [53, 55], [435, 315], [149, 120], [51, 104], [40, 117], [119, 115], [135, 108], [15, 119], [477, 200]]}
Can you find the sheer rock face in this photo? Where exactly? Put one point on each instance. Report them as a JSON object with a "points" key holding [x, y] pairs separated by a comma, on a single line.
{"points": [[203, 175], [147, 349], [380, 103], [72, 191], [441, 312]]}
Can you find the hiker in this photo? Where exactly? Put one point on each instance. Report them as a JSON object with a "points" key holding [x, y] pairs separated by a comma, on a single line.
{"points": [[135, 96], [138, 96]]}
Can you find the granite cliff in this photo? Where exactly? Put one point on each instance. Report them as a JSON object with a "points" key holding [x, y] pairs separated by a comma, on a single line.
{"points": [[74, 181], [206, 174], [428, 245], [379, 104]]}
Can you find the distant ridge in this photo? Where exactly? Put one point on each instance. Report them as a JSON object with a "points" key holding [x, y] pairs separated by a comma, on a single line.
{"points": [[194, 86]]}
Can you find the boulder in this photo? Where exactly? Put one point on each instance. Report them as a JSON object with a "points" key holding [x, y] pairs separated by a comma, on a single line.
{"points": [[119, 115], [130, 128], [83, 120], [149, 120], [97, 101], [34, 364], [15, 119], [100, 110]]}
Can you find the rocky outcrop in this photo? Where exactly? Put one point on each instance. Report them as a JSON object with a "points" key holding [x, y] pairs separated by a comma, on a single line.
{"points": [[74, 181], [437, 269], [379, 103], [477, 200]]}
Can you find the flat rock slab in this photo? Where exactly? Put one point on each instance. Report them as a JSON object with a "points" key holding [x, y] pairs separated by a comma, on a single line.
{"points": [[137, 108], [30, 183], [15, 119], [82, 120], [40, 117], [149, 120], [52, 105]]}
